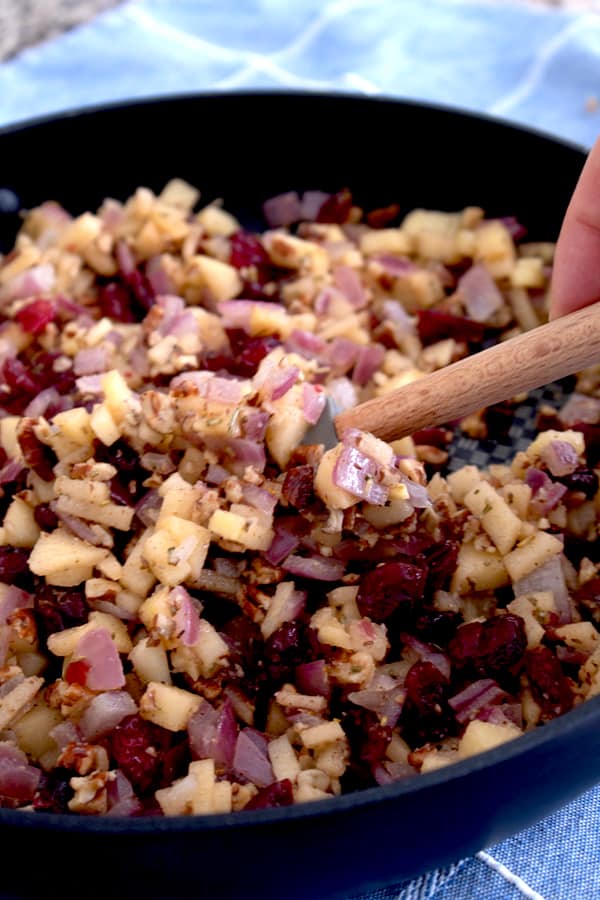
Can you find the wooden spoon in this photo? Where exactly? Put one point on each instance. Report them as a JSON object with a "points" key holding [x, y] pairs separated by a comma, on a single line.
{"points": [[539, 356]]}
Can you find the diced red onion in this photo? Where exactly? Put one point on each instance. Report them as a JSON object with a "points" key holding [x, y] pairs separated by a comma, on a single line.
{"points": [[342, 393], [105, 670], [323, 301], [580, 408], [281, 380], [396, 266], [237, 313], [468, 703], [11, 599], [370, 358], [311, 203], [250, 761], [284, 542], [428, 653], [49, 397], [560, 457], [388, 771], [254, 425], [156, 274], [10, 471], [216, 474], [259, 498], [395, 312], [349, 283], [503, 714], [103, 605], [480, 293], [148, 507], [357, 473], [548, 577], [283, 209], [213, 734], [318, 568], [342, 355], [18, 780], [89, 384], [104, 712], [186, 618], [385, 697], [125, 257], [417, 493], [305, 343], [65, 733], [91, 361], [314, 400], [248, 453], [312, 678], [77, 526], [130, 806], [227, 391], [37, 280]]}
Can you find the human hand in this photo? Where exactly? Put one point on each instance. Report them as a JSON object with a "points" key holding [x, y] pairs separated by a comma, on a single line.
{"points": [[576, 275]]}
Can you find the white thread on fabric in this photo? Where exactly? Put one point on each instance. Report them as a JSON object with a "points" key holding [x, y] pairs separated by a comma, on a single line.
{"points": [[536, 71], [332, 11], [214, 51], [358, 82], [509, 876]]}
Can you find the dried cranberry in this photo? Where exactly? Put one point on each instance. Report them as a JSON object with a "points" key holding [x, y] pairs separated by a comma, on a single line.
{"points": [[426, 715], [298, 487], [247, 250], [175, 763], [582, 479], [494, 648], [433, 437], [54, 791], [336, 209], [369, 738], [549, 685], [34, 316], [58, 609], [133, 747], [13, 562], [291, 644], [248, 352], [379, 218], [434, 325], [279, 793], [388, 587], [141, 288], [45, 517], [114, 301], [37, 455], [441, 563], [437, 626], [76, 672]]}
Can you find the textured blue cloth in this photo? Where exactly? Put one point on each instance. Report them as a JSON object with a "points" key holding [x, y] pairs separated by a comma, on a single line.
{"points": [[530, 64]]}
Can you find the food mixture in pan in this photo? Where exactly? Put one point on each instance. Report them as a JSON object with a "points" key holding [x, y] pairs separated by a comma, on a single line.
{"points": [[200, 610]]}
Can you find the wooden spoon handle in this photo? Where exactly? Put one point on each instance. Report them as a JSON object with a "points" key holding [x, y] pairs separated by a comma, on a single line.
{"points": [[539, 356]]}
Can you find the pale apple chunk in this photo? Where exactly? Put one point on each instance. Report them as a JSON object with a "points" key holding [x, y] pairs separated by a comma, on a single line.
{"points": [[283, 759], [8, 437], [495, 515], [334, 496], [287, 425], [220, 279], [531, 554], [33, 730], [480, 736], [136, 575], [168, 706], [150, 662], [478, 570], [242, 525], [119, 399], [103, 425], [177, 550], [19, 527], [59, 551]]}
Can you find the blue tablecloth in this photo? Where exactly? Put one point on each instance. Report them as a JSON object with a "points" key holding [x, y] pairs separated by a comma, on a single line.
{"points": [[531, 64]]}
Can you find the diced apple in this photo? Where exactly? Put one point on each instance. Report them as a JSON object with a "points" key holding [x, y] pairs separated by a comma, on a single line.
{"points": [[334, 496], [495, 515], [480, 736], [8, 437], [32, 730], [118, 396], [19, 526], [242, 525], [103, 425], [150, 662], [220, 279], [177, 550], [168, 706], [531, 554], [58, 551], [478, 570], [136, 575]]}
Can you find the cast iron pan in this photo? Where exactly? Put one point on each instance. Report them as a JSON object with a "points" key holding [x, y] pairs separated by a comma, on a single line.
{"points": [[244, 148]]}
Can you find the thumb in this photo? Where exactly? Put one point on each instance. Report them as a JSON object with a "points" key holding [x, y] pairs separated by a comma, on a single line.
{"points": [[576, 274]]}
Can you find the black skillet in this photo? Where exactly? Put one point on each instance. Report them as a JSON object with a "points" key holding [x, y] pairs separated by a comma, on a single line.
{"points": [[244, 148]]}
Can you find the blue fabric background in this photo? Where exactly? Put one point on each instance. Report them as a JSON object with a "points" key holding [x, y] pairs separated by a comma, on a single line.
{"points": [[524, 62]]}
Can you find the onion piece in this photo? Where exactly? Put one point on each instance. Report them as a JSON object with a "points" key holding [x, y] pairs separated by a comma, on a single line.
{"points": [[549, 577], [360, 475], [105, 712], [147, 509], [259, 498], [213, 734], [318, 568], [283, 209], [97, 650], [469, 703], [36, 280], [313, 678], [580, 408], [370, 358], [91, 361], [284, 542], [314, 400], [186, 616], [348, 281], [47, 398], [560, 457], [428, 653], [251, 761], [480, 293]]}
